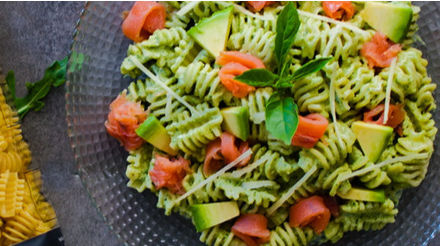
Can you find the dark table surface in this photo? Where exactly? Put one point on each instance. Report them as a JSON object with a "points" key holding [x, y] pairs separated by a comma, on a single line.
{"points": [[33, 35]]}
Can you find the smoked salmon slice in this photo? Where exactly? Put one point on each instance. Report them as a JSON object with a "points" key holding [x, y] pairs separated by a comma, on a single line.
{"points": [[224, 150], [235, 63], [396, 115], [310, 212], [123, 119], [310, 129], [169, 174], [252, 229], [380, 51], [338, 10], [143, 19]]}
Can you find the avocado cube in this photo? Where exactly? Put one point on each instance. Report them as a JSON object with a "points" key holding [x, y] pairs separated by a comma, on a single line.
{"points": [[212, 32], [236, 121], [391, 19], [211, 214], [372, 138], [152, 131], [364, 195]]}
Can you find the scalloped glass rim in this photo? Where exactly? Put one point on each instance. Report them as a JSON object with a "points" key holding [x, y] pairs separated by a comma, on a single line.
{"points": [[133, 216]]}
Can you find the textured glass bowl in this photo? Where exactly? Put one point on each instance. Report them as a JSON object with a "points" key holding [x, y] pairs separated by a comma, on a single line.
{"points": [[133, 216]]}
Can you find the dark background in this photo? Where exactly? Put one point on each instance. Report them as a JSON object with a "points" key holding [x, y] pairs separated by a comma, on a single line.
{"points": [[32, 36]]}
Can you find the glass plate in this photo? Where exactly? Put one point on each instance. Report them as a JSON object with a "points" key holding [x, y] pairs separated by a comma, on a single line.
{"points": [[133, 216]]}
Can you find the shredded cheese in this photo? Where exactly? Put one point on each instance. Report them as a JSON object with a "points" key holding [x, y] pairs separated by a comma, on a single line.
{"points": [[258, 184], [290, 192], [331, 41], [188, 7], [388, 90], [244, 11], [387, 162], [150, 74], [329, 20], [333, 113], [249, 168], [214, 176]]}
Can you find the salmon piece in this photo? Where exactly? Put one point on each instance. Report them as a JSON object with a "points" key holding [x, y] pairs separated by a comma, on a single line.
{"points": [[310, 129], [252, 229], [169, 174], [227, 74], [244, 59], [396, 115], [123, 119], [257, 6], [232, 148], [213, 159], [380, 51], [222, 151], [310, 212], [338, 10], [235, 63], [143, 19]]}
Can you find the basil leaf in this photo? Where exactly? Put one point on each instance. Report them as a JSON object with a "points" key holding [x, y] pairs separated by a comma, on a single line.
{"points": [[283, 83], [287, 26], [257, 77], [310, 67], [285, 68], [281, 117]]}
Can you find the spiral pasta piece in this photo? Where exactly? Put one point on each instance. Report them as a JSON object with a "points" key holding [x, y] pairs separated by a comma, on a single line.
{"points": [[311, 94], [329, 151], [216, 236], [319, 38], [137, 170], [170, 48], [191, 133], [358, 215], [372, 179], [286, 235], [272, 165], [333, 180], [208, 193], [12, 191], [202, 80], [253, 36], [414, 171], [256, 103]]}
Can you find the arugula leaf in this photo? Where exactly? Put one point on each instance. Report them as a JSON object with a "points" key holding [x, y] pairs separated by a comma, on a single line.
{"points": [[54, 76], [257, 77], [281, 117], [287, 26], [310, 67]]}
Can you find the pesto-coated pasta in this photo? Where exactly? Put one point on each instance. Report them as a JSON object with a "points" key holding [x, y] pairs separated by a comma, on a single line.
{"points": [[187, 95]]}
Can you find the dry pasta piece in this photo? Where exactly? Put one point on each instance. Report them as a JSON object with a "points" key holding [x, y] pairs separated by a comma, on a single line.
{"points": [[12, 190], [44, 210], [11, 161], [25, 225]]}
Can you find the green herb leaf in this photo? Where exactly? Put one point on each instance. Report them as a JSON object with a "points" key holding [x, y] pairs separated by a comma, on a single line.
{"points": [[310, 67], [287, 26], [281, 117], [283, 83], [257, 77], [54, 76]]}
